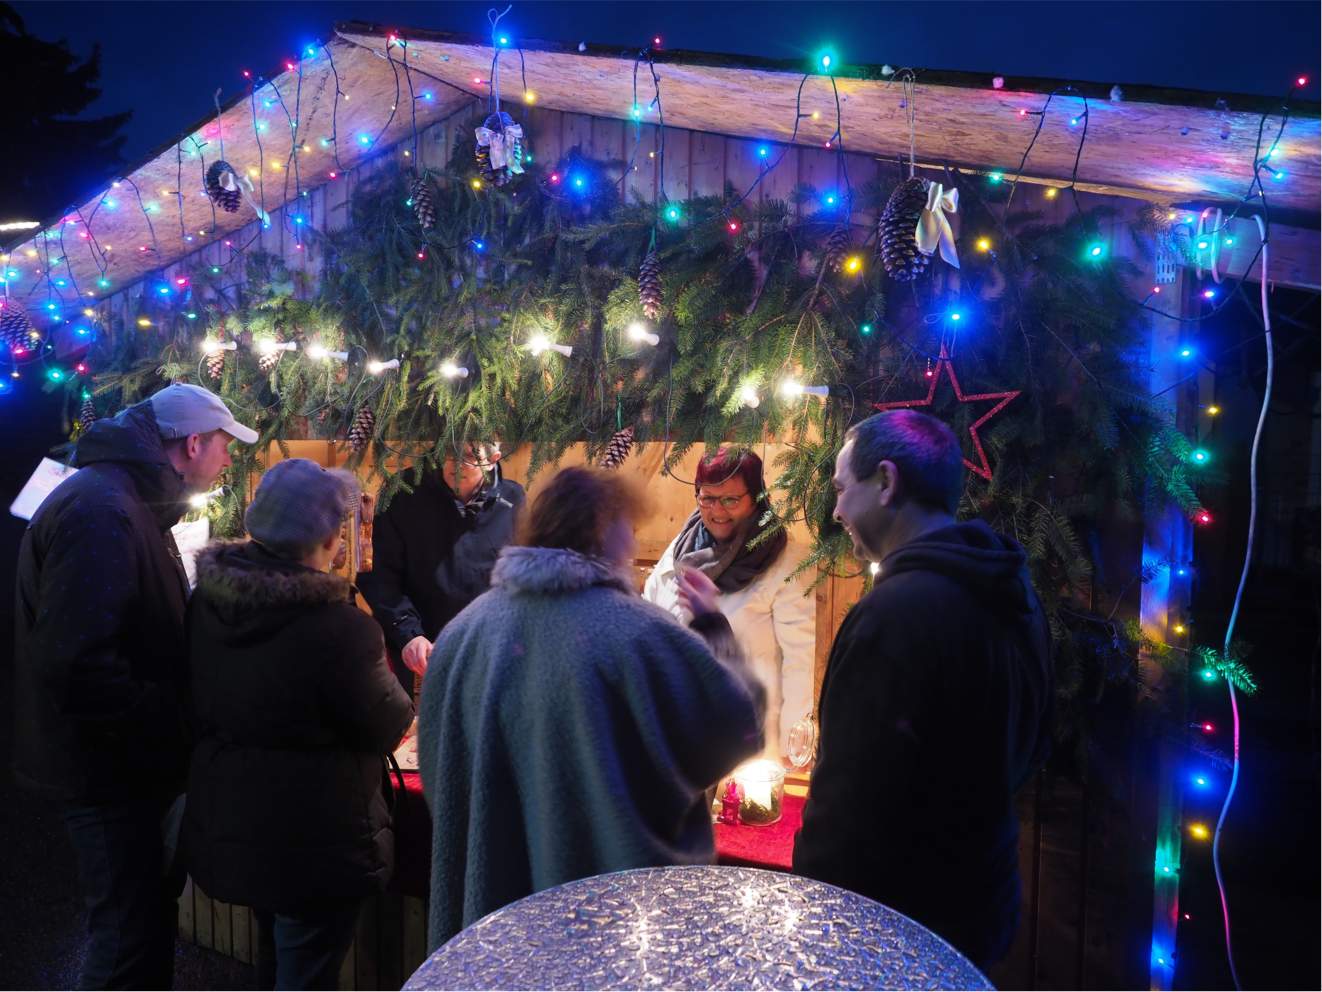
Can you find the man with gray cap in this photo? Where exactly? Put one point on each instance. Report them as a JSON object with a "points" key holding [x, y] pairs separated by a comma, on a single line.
{"points": [[295, 705], [99, 659]]}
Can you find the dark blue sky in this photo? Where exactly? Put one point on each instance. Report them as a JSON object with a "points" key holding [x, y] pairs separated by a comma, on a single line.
{"points": [[164, 60]]}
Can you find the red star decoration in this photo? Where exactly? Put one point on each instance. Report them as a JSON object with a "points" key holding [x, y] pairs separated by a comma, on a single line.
{"points": [[943, 364]]}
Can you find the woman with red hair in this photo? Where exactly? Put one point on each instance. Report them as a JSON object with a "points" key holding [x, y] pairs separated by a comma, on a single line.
{"points": [[734, 539]]}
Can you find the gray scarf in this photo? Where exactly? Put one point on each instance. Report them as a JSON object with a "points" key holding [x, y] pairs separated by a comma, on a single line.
{"points": [[732, 565]]}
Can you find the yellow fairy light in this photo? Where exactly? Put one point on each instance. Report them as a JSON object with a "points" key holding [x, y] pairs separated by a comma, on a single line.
{"points": [[983, 244], [817, 115], [1199, 831], [477, 184], [144, 322], [252, 173], [1179, 628], [1213, 410], [529, 97], [1170, 214], [31, 253], [275, 164], [89, 312], [1051, 192], [853, 264], [407, 153]]}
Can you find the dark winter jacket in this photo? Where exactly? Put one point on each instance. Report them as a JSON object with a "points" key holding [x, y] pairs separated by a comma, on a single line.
{"points": [[568, 728], [287, 803], [933, 713], [432, 557], [100, 682]]}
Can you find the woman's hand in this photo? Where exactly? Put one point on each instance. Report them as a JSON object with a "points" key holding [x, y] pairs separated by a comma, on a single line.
{"points": [[697, 593]]}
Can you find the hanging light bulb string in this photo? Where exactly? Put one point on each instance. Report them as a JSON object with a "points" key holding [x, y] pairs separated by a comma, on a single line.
{"points": [[394, 104], [413, 105], [335, 108], [261, 152], [151, 228], [493, 90], [1239, 596], [198, 146]]}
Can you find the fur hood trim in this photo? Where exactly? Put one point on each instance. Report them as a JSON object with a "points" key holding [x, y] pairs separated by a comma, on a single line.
{"points": [[234, 574], [553, 571]]}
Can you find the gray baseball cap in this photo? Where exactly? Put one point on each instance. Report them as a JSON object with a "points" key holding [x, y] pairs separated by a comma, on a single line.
{"points": [[182, 410], [299, 504]]}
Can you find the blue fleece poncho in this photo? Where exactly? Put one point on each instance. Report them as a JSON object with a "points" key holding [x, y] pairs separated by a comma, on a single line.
{"points": [[567, 728]]}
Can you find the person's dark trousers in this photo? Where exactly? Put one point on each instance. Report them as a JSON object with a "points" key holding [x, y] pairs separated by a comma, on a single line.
{"points": [[305, 951], [130, 886]]}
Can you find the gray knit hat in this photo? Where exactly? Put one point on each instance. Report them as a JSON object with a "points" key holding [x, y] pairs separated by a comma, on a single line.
{"points": [[298, 505]]}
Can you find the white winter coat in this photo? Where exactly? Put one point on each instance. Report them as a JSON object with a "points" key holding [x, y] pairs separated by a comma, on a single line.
{"points": [[776, 624]]}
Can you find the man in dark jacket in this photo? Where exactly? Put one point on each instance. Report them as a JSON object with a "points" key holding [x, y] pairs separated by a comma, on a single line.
{"points": [[934, 704], [287, 797], [434, 549], [99, 661]]}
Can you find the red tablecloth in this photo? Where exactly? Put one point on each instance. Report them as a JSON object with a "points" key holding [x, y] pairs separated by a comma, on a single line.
{"points": [[752, 847]]}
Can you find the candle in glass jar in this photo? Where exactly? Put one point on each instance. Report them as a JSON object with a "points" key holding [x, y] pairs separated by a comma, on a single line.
{"points": [[762, 787]]}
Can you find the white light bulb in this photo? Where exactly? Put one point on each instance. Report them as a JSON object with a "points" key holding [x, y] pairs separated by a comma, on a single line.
{"points": [[452, 371], [638, 332], [791, 389], [269, 346], [319, 351], [540, 343], [874, 568], [376, 368], [212, 347], [748, 397]]}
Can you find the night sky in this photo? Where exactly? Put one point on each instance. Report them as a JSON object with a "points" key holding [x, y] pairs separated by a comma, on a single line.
{"points": [[163, 61]]}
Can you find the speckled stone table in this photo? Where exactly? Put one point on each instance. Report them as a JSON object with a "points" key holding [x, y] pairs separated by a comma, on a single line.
{"points": [[696, 927]]}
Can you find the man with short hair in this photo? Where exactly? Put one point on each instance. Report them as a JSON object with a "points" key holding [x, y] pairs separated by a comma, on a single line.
{"points": [[934, 705], [434, 549], [100, 674]]}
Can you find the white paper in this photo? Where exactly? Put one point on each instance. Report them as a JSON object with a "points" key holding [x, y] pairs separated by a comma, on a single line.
{"points": [[190, 538], [407, 752], [48, 475]]}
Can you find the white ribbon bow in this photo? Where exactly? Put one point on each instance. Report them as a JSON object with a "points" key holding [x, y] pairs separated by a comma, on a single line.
{"points": [[933, 228], [502, 145]]}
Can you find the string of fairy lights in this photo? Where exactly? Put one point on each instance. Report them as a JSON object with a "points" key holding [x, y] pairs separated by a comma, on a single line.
{"points": [[1209, 230]]}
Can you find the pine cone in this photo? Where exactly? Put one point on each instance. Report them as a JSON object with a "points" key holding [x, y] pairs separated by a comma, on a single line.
{"points": [[268, 360], [483, 157], [223, 186], [617, 450], [836, 247], [15, 328], [216, 364], [896, 231], [424, 203], [362, 429], [649, 286], [86, 415]]}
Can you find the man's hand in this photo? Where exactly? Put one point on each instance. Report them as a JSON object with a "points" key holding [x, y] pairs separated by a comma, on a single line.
{"points": [[697, 593], [415, 655]]}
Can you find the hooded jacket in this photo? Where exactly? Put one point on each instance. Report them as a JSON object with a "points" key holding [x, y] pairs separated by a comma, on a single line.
{"points": [[933, 712], [431, 559], [100, 679], [287, 796], [568, 728]]}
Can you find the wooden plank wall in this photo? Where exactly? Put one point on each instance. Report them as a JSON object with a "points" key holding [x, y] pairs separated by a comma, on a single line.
{"points": [[1074, 847]]}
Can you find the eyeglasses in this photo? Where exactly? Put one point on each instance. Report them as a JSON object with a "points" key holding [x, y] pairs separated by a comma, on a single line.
{"points": [[727, 502]]}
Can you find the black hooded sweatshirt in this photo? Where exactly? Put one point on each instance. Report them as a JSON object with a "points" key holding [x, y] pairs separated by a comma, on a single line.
{"points": [[100, 681], [933, 712]]}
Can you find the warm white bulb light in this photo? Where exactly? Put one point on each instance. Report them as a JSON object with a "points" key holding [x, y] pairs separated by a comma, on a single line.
{"points": [[639, 333], [792, 389], [269, 346], [376, 368], [320, 351], [540, 343], [452, 371], [212, 347], [748, 397]]}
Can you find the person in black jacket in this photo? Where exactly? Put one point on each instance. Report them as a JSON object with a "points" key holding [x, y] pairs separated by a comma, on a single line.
{"points": [[434, 549], [934, 704], [100, 683], [287, 793]]}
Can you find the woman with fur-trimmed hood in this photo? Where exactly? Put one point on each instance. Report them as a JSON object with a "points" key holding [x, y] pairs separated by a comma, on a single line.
{"points": [[295, 706], [567, 727]]}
